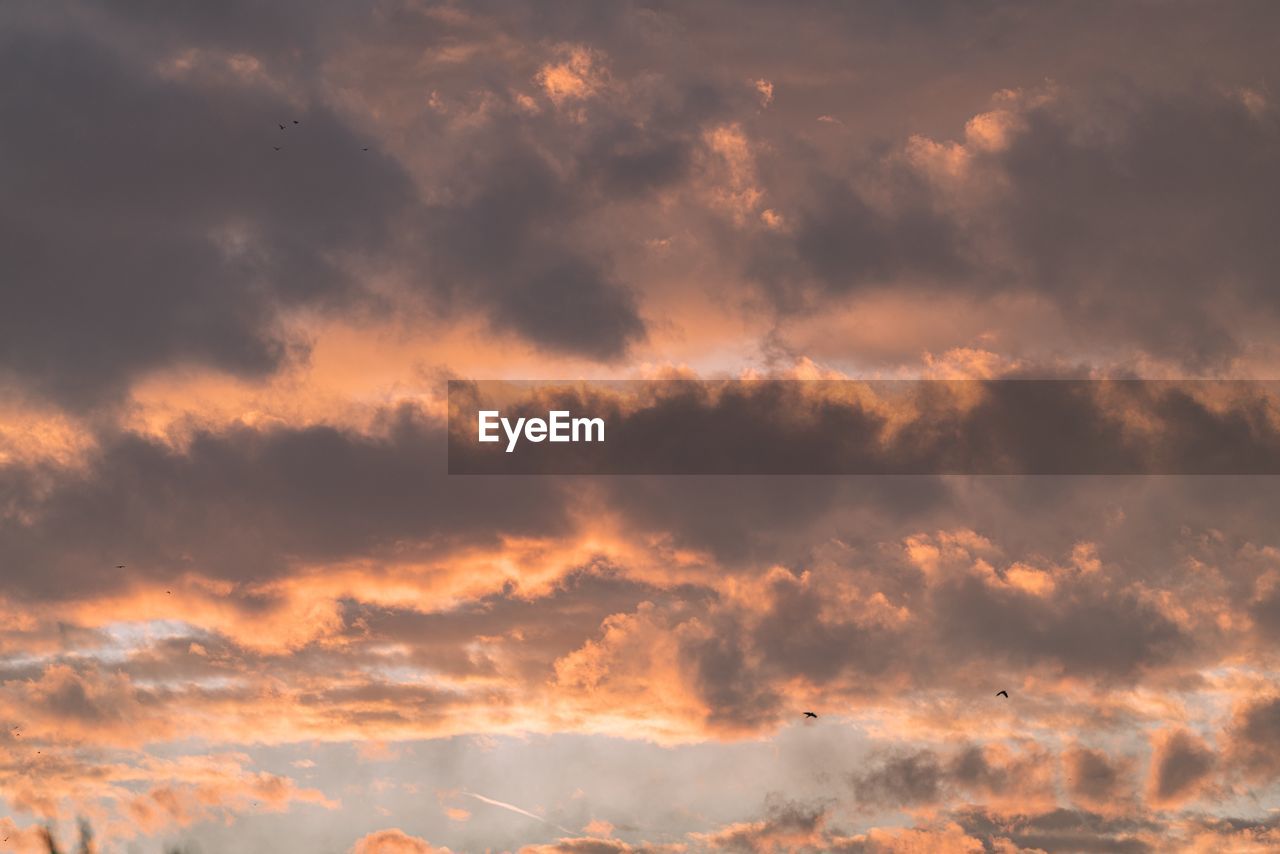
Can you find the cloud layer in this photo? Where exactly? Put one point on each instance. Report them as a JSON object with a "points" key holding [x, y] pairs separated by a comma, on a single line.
{"points": [[245, 607]]}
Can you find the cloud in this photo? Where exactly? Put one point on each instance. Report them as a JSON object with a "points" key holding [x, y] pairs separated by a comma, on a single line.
{"points": [[765, 89], [907, 780], [525, 219], [206, 349], [590, 845], [317, 493], [1068, 195], [1082, 213], [1062, 830], [789, 826], [579, 74], [522, 217], [1181, 764], [146, 795], [503, 242], [948, 839], [394, 841], [79, 704], [651, 615], [1254, 737], [843, 242], [158, 227], [1099, 781], [1232, 834]]}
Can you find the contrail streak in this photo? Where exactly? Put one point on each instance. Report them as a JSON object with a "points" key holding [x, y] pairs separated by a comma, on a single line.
{"points": [[516, 809]]}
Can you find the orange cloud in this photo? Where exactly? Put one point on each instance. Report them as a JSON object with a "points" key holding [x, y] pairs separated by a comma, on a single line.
{"points": [[578, 75], [394, 841]]}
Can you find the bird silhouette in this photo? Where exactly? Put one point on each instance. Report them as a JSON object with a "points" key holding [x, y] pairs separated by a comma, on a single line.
{"points": [[295, 121], [810, 715], [281, 127], [119, 566], [364, 149], [1004, 694], [276, 147]]}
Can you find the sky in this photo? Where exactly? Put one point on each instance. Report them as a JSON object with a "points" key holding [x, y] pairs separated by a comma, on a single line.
{"points": [[244, 247]]}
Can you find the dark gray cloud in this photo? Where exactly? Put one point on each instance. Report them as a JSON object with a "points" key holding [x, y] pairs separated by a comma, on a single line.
{"points": [[1253, 829], [150, 223], [750, 521], [549, 625], [1137, 213], [250, 503], [914, 779], [965, 629], [1254, 749], [1143, 215], [984, 772], [918, 778], [1097, 778], [1181, 764], [1055, 831], [254, 503], [845, 244], [518, 230], [505, 245], [723, 677], [1062, 830], [1087, 627], [1265, 611]]}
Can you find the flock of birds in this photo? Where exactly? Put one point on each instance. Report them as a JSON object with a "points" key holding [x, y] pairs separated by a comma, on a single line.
{"points": [[283, 127], [286, 127]]}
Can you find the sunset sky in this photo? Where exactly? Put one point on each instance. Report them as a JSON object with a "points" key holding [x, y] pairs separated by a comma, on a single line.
{"points": [[245, 609]]}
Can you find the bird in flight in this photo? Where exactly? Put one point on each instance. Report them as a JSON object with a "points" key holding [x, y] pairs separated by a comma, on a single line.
{"points": [[1004, 694], [810, 715], [364, 149], [276, 147], [295, 121], [119, 566], [281, 127]]}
